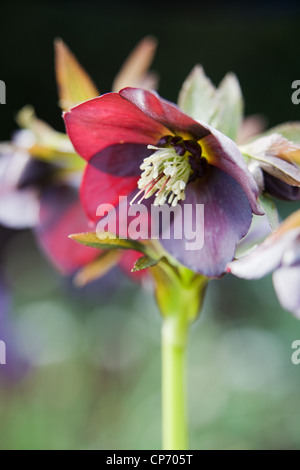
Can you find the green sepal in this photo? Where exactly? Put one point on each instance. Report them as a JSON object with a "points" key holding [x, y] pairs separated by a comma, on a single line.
{"points": [[74, 84], [178, 290], [107, 241], [229, 115], [221, 107], [270, 209], [144, 262]]}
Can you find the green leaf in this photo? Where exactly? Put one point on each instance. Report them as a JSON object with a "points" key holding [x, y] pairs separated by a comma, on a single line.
{"points": [[197, 96], [107, 241], [270, 209], [229, 115], [74, 84], [144, 262]]}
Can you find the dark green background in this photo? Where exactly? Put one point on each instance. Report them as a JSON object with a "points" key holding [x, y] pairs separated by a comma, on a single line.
{"points": [[259, 43]]}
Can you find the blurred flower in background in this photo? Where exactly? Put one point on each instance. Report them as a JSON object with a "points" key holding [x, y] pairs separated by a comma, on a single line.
{"points": [[280, 254], [274, 161]]}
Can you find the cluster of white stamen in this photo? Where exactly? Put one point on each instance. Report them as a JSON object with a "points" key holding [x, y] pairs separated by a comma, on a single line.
{"points": [[165, 174]]}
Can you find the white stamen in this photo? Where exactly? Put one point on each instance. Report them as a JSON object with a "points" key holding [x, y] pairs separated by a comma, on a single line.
{"points": [[166, 173]]}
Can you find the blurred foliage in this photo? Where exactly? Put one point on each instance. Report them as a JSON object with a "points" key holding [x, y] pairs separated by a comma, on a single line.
{"points": [[93, 355], [93, 379]]}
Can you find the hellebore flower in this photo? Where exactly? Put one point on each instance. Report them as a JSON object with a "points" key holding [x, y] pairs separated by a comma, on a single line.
{"points": [[40, 173], [183, 162], [280, 253], [272, 160]]}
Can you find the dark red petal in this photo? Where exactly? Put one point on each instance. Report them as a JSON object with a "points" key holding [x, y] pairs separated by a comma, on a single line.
{"points": [[123, 219], [108, 120], [112, 173], [164, 112], [224, 154], [61, 215], [227, 218]]}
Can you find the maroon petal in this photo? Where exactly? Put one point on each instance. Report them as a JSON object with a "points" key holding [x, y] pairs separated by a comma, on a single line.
{"points": [[227, 218], [164, 112], [221, 151], [112, 173], [109, 120], [280, 189], [61, 215], [224, 154]]}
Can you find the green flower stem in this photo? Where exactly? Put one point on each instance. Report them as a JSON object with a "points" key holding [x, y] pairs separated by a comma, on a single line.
{"points": [[174, 414], [179, 295]]}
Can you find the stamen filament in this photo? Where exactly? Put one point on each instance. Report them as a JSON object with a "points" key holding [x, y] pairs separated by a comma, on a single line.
{"points": [[165, 174]]}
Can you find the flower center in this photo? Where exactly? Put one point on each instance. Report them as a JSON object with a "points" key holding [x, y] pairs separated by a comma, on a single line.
{"points": [[174, 164]]}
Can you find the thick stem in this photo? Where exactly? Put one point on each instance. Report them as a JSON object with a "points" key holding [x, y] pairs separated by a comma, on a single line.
{"points": [[179, 295], [174, 413]]}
